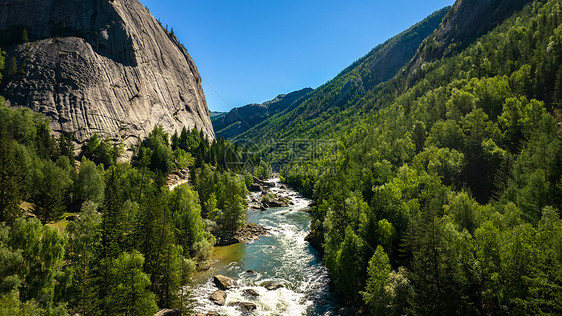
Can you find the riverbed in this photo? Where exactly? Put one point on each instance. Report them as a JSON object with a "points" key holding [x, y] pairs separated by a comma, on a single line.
{"points": [[283, 257]]}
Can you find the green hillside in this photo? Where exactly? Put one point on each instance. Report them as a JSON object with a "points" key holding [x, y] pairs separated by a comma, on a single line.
{"points": [[238, 120], [350, 86], [444, 195]]}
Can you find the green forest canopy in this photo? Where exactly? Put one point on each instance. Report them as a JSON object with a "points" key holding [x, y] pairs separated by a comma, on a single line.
{"points": [[448, 188]]}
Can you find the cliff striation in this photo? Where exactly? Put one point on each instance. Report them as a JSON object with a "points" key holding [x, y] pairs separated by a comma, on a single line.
{"points": [[100, 66]]}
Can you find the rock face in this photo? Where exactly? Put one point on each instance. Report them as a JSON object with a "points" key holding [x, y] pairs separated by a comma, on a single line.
{"points": [[101, 66], [466, 21]]}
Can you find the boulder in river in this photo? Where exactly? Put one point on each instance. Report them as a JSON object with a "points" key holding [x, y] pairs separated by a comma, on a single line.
{"points": [[218, 297], [271, 286], [315, 241], [223, 282], [250, 292], [276, 203], [250, 232], [244, 307], [264, 183], [254, 187]]}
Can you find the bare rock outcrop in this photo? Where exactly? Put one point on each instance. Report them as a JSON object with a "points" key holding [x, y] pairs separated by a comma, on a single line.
{"points": [[465, 22], [101, 66]]}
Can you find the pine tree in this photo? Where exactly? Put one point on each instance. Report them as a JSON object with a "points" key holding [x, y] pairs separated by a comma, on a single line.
{"points": [[127, 288], [9, 184], [24, 36], [378, 272], [12, 67], [82, 254]]}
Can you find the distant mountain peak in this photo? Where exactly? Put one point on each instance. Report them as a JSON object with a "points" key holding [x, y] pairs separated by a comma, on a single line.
{"points": [[241, 119]]}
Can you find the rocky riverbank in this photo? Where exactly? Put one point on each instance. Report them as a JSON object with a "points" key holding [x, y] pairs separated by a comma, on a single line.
{"points": [[275, 275], [247, 233], [266, 194]]}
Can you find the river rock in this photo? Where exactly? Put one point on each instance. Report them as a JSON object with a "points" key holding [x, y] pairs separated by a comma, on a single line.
{"points": [[271, 286], [250, 271], [251, 292], [255, 188], [244, 307], [218, 297], [250, 232], [263, 183], [223, 282], [276, 203], [314, 240], [228, 241]]}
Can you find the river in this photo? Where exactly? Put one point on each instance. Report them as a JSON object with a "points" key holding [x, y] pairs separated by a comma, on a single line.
{"points": [[283, 257]]}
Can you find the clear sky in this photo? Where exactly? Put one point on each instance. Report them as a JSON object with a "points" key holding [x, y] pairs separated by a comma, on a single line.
{"points": [[249, 51]]}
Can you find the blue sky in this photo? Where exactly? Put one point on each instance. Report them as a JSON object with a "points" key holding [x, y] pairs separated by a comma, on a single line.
{"points": [[249, 51]]}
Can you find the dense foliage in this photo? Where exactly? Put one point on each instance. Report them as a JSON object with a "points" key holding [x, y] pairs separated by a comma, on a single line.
{"points": [[443, 196], [448, 186], [133, 242]]}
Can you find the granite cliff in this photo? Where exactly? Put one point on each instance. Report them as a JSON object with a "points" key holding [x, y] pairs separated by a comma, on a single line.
{"points": [[100, 66]]}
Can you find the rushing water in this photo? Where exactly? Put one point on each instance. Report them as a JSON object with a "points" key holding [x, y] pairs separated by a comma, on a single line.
{"points": [[282, 257]]}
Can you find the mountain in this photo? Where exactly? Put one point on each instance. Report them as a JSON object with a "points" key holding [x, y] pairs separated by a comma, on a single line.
{"points": [[389, 70], [466, 21], [453, 163], [215, 114], [239, 120], [351, 85], [99, 66]]}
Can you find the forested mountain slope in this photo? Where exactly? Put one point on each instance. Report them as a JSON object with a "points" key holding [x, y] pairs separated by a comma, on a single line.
{"points": [[466, 21], [352, 84], [445, 194], [102, 237], [238, 120]]}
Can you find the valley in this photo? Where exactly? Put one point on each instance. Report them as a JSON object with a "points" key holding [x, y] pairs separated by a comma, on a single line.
{"points": [[425, 178], [280, 259]]}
